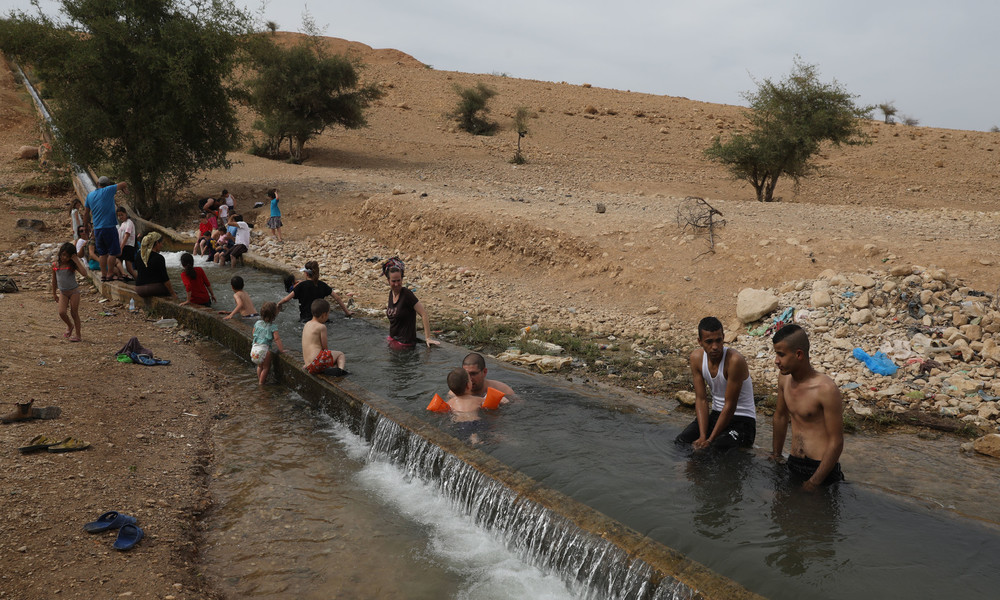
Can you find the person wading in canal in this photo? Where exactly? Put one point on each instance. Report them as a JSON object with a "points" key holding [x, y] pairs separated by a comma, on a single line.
{"points": [[730, 419], [812, 402]]}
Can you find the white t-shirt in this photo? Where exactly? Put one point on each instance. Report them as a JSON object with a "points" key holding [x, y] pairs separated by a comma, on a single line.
{"points": [[243, 233], [223, 213], [127, 226], [80, 244]]}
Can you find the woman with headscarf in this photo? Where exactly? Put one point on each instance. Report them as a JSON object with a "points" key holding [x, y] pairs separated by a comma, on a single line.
{"points": [[402, 310], [151, 269]]}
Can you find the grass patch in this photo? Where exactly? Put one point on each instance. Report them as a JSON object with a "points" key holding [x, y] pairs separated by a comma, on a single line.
{"points": [[877, 421], [487, 335]]}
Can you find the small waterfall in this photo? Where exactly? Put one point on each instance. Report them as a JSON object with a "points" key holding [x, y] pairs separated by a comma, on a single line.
{"points": [[590, 564]]}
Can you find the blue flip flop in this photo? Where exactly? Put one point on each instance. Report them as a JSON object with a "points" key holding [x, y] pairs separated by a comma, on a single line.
{"points": [[109, 520], [128, 536]]}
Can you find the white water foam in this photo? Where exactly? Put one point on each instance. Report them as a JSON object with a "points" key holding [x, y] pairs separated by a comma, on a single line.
{"points": [[173, 260], [490, 571]]}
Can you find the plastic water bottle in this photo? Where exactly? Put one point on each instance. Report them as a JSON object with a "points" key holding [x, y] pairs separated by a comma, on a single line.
{"points": [[131, 304]]}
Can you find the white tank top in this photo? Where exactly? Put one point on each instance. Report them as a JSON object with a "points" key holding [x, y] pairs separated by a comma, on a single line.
{"points": [[744, 404]]}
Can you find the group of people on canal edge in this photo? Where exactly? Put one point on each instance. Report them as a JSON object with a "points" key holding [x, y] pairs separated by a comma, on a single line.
{"points": [[807, 400]]}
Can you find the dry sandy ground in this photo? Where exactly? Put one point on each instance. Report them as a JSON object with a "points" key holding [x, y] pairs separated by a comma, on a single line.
{"points": [[149, 430], [531, 234]]}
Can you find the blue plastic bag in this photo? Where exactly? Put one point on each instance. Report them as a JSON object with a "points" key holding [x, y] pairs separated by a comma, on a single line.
{"points": [[879, 363]]}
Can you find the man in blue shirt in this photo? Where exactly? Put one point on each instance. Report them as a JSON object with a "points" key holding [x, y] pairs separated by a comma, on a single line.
{"points": [[100, 210]]}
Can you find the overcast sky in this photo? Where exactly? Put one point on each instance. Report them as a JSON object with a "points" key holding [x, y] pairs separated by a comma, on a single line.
{"points": [[937, 61]]}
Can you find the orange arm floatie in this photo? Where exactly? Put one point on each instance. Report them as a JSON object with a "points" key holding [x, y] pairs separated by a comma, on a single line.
{"points": [[493, 398], [438, 404]]}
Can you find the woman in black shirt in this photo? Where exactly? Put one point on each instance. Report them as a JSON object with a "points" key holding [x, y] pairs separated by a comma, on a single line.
{"points": [[402, 310], [151, 269]]}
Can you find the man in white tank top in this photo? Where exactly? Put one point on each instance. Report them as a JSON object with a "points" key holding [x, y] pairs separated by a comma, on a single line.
{"points": [[728, 418]]}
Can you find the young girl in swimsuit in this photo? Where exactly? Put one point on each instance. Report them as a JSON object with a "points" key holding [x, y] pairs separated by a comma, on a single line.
{"points": [[65, 288]]}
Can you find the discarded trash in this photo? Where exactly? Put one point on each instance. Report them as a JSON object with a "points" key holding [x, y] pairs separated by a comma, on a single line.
{"points": [[851, 386], [166, 323], [878, 363], [131, 304], [544, 363]]}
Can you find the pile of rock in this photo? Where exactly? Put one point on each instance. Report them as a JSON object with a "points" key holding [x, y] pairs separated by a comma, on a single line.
{"points": [[943, 336]]}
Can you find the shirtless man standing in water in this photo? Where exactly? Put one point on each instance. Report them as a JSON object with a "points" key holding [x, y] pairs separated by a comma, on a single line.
{"points": [[812, 401]]}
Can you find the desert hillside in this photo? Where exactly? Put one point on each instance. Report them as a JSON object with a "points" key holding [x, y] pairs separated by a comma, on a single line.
{"points": [[914, 195]]}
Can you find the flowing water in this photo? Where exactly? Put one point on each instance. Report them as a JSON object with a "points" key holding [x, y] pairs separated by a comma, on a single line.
{"points": [[307, 508]]}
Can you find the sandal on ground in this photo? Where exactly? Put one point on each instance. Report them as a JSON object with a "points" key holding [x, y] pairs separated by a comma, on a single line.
{"points": [[109, 520], [74, 339], [40, 442], [128, 536], [69, 445]]}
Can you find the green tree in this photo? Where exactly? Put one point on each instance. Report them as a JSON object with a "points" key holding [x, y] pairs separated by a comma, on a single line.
{"points": [[138, 89], [788, 122], [301, 90], [472, 108]]}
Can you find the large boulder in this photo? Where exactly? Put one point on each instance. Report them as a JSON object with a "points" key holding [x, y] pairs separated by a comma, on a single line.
{"points": [[821, 298], [687, 398], [753, 304], [28, 152], [988, 445]]}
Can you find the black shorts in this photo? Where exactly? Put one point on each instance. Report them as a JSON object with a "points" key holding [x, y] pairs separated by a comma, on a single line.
{"points": [[803, 468], [128, 254], [742, 431]]}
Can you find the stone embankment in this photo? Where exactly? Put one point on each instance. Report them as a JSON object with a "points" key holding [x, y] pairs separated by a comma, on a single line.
{"points": [[942, 335]]}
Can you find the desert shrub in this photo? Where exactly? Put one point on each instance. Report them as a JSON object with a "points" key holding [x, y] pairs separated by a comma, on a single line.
{"points": [[521, 116], [472, 108]]}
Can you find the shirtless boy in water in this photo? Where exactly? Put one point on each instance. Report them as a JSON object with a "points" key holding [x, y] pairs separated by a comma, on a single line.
{"points": [[812, 402], [464, 404], [318, 359], [244, 305]]}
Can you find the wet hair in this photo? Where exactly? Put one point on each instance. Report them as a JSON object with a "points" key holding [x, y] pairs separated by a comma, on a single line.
{"points": [[319, 307], [794, 337], [272, 193], [474, 359], [239, 218], [187, 261], [225, 192], [121, 209], [80, 230], [289, 281], [269, 312], [236, 282], [709, 325], [68, 248], [458, 381], [312, 269]]}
